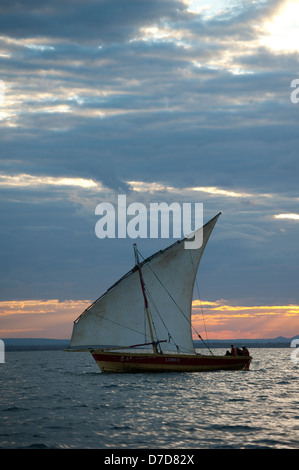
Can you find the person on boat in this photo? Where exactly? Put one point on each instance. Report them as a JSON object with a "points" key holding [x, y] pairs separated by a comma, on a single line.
{"points": [[239, 352], [233, 350], [245, 351]]}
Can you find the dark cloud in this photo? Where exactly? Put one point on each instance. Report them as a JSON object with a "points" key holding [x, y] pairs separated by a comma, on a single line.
{"points": [[89, 21], [93, 92]]}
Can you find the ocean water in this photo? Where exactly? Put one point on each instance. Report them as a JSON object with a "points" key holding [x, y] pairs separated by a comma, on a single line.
{"points": [[61, 400]]}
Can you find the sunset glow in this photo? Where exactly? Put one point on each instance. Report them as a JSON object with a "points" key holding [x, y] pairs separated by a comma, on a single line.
{"points": [[54, 319], [39, 318], [223, 320], [282, 30]]}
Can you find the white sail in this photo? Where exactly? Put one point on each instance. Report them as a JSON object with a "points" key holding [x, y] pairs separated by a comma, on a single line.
{"points": [[118, 318]]}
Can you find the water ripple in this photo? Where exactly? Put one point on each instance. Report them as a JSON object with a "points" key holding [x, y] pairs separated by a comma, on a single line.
{"points": [[73, 405]]}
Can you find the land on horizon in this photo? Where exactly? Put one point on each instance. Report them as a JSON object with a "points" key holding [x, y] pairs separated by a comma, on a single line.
{"points": [[27, 344]]}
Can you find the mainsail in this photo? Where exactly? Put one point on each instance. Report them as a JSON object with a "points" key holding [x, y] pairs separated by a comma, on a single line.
{"points": [[118, 318]]}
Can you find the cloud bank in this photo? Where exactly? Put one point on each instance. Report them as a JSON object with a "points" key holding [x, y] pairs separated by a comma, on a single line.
{"points": [[169, 101]]}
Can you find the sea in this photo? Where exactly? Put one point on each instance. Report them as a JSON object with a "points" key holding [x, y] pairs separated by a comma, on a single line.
{"points": [[61, 400]]}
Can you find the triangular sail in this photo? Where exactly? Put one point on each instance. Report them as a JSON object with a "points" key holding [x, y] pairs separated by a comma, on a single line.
{"points": [[117, 319]]}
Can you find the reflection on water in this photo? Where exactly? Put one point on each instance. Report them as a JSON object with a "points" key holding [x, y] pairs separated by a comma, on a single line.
{"points": [[62, 400]]}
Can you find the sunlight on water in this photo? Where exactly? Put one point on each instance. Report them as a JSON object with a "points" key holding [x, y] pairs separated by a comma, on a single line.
{"points": [[62, 400]]}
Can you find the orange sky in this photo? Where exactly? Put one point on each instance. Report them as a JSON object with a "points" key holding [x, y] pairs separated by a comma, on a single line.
{"points": [[54, 319], [236, 321]]}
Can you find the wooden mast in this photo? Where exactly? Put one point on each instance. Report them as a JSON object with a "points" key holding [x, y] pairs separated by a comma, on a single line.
{"points": [[145, 299]]}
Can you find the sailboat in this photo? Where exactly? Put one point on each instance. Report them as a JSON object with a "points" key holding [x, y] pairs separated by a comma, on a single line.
{"points": [[142, 323]]}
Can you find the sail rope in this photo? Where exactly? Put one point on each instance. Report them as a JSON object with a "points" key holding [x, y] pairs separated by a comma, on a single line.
{"points": [[155, 307], [119, 324], [146, 336], [200, 303], [161, 318], [154, 328], [135, 331], [183, 313]]}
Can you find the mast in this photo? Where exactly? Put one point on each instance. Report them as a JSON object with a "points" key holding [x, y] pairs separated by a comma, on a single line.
{"points": [[145, 298]]}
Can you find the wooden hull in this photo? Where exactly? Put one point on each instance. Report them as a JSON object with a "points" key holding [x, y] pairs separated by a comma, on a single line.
{"points": [[134, 362]]}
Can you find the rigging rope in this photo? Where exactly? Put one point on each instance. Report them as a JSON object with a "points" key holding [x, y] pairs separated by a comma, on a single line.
{"points": [[161, 318], [119, 324], [169, 336], [154, 328], [202, 313], [176, 302]]}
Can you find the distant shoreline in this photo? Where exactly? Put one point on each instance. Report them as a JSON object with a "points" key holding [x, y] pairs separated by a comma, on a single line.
{"points": [[35, 344], [43, 344], [238, 343]]}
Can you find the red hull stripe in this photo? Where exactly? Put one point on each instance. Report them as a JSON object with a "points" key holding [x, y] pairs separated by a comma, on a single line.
{"points": [[168, 360]]}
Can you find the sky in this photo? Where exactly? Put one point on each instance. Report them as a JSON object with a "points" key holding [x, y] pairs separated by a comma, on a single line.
{"points": [[182, 101]]}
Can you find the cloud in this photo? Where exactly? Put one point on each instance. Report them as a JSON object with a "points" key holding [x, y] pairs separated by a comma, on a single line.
{"points": [[39, 318], [223, 320], [23, 180], [287, 216], [93, 21], [161, 101], [49, 226]]}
